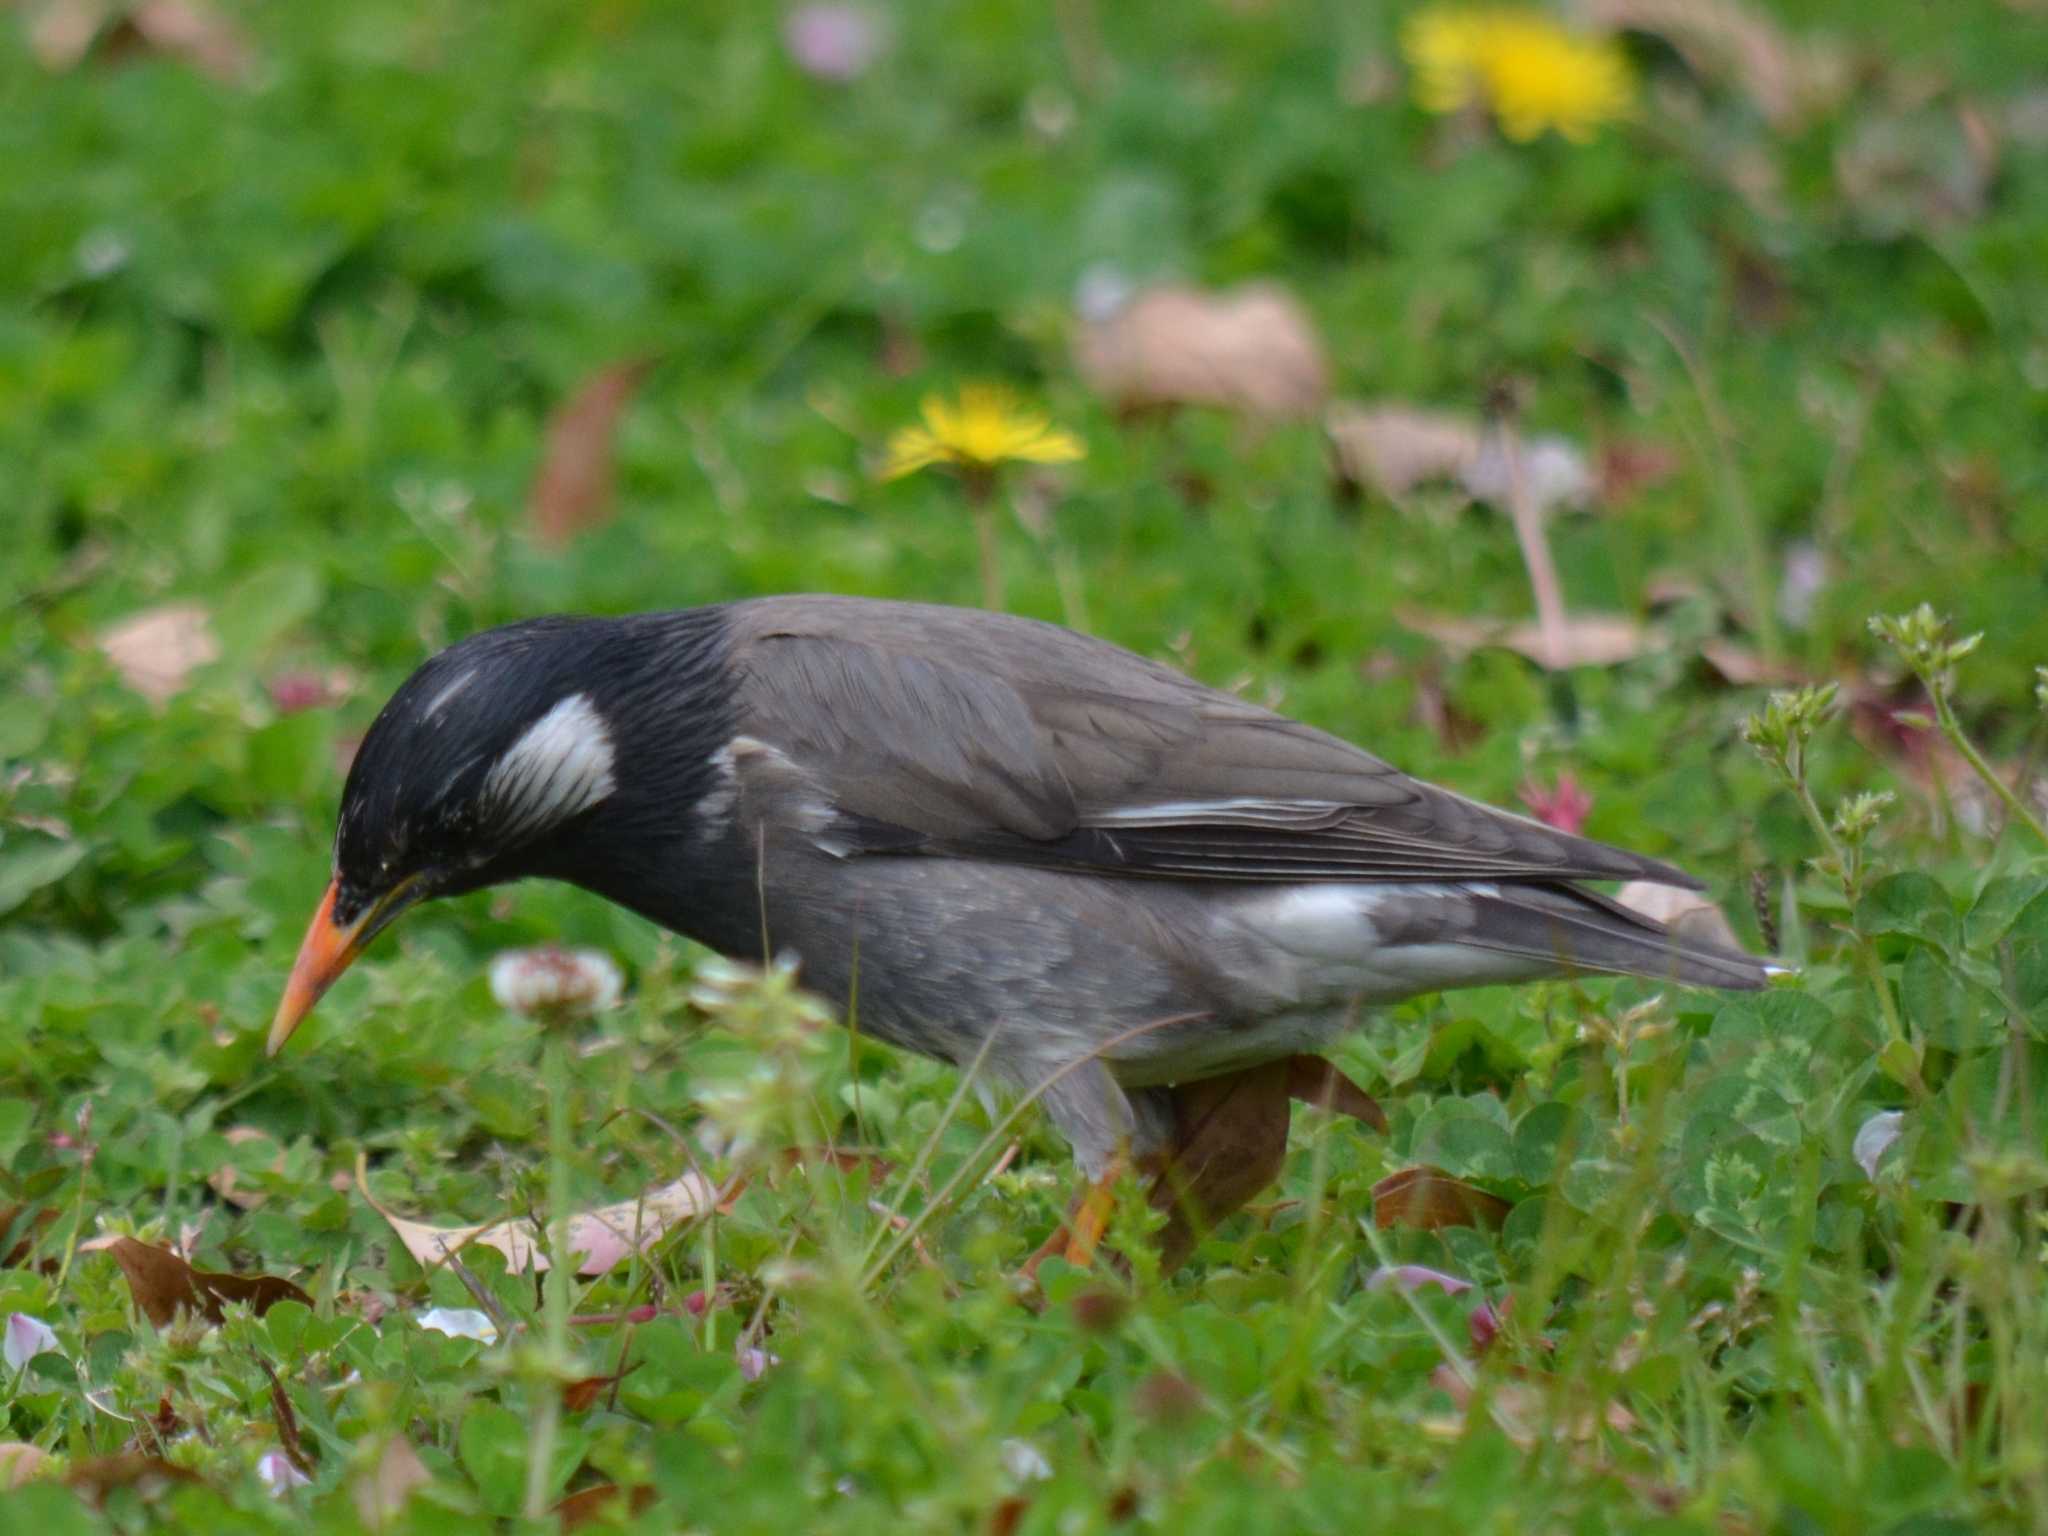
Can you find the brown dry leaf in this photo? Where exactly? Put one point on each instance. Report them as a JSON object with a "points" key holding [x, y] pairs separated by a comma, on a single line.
{"points": [[21, 1462], [64, 32], [604, 1236], [1392, 447], [606, 1502], [1230, 1139], [1729, 42], [1251, 349], [1626, 466], [572, 492], [1686, 913], [1912, 170], [1739, 665], [579, 1394], [381, 1492], [1586, 639], [1519, 1407], [1428, 1198], [99, 1476], [224, 1179], [157, 651], [164, 1284], [1316, 1081], [287, 1422], [25, 1243]]}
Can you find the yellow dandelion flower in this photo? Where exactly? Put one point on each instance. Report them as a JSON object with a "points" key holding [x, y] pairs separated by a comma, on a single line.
{"points": [[1532, 73], [985, 427]]}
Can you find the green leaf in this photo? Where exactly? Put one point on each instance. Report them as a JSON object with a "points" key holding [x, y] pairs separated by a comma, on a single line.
{"points": [[493, 1445], [1948, 1011], [27, 866], [1538, 1136], [258, 610], [1998, 904], [16, 1116], [1464, 1139], [24, 722], [1912, 904]]}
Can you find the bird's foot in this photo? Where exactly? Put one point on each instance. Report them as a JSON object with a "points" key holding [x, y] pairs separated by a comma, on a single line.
{"points": [[1079, 1233], [1229, 1141]]}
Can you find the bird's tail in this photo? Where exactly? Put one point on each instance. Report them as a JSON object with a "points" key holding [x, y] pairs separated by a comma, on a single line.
{"points": [[1574, 929]]}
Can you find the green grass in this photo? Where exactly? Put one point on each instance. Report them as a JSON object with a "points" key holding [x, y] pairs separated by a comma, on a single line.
{"points": [[288, 348]]}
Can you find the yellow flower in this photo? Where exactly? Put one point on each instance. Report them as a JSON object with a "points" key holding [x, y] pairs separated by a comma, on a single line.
{"points": [[1529, 71], [985, 427]]}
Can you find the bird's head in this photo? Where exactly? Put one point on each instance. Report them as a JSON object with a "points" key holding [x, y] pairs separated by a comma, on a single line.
{"points": [[489, 752]]}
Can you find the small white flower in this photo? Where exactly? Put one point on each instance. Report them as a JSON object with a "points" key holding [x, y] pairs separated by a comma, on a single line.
{"points": [[27, 1337], [1410, 1278], [754, 1363], [1025, 1462], [1875, 1137], [550, 980], [275, 1471], [459, 1323], [833, 42]]}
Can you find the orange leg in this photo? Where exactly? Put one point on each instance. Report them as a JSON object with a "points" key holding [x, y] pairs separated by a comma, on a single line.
{"points": [[1090, 1219], [1077, 1236]]}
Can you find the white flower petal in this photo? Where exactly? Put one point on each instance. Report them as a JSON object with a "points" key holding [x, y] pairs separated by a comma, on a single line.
{"points": [[276, 1472], [1025, 1461], [459, 1323], [1875, 1137], [550, 980], [27, 1337]]}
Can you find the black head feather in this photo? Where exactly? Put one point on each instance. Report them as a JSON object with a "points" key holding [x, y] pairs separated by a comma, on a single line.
{"points": [[526, 749]]}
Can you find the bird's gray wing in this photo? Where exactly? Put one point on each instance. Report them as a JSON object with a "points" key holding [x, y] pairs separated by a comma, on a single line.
{"points": [[949, 731]]}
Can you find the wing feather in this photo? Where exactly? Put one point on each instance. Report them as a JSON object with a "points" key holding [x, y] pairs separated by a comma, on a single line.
{"points": [[954, 732]]}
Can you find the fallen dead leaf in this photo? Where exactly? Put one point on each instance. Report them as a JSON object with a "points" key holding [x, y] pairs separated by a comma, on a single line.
{"points": [[606, 1501], [1742, 667], [572, 492], [1230, 1140], [157, 651], [1624, 467], [164, 1284], [581, 1393], [1392, 448], [98, 1476], [1251, 349], [381, 1491], [1316, 1081], [1930, 168], [287, 1422], [1732, 44], [1686, 913], [21, 1462], [25, 1242], [65, 32], [1585, 639], [603, 1237], [1428, 1198], [1523, 1408]]}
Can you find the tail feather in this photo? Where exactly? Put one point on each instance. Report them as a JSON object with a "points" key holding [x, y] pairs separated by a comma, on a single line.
{"points": [[1581, 930]]}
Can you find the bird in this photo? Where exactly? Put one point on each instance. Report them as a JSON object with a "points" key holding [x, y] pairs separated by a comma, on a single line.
{"points": [[1031, 852]]}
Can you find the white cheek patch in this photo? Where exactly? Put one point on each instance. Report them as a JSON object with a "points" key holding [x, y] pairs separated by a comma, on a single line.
{"points": [[562, 765]]}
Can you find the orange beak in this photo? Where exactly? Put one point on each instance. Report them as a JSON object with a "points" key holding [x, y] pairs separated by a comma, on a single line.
{"points": [[329, 949]]}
